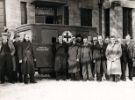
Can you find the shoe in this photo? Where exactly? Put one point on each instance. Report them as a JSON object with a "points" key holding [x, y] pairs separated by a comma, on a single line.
{"points": [[130, 78], [91, 79], [123, 79], [107, 77], [2, 82], [25, 82], [99, 79], [33, 82]]}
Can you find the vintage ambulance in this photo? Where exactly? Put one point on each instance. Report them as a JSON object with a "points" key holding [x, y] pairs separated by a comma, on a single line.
{"points": [[45, 36]]}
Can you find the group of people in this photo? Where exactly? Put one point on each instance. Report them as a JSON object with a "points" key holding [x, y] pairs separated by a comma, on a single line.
{"points": [[16, 59], [83, 59], [94, 59]]}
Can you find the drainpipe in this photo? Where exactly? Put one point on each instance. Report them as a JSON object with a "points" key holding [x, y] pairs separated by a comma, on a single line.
{"points": [[100, 5]]}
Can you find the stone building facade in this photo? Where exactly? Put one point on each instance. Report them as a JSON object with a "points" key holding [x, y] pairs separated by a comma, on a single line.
{"points": [[121, 18], [65, 12], [108, 16]]}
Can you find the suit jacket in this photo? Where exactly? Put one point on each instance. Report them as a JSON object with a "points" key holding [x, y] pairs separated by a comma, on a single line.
{"points": [[124, 53], [86, 54], [99, 52], [130, 51]]}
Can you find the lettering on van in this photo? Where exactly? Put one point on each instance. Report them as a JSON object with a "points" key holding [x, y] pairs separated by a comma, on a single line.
{"points": [[42, 49]]}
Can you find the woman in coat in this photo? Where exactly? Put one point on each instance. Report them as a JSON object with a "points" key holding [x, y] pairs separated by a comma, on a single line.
{"points": [[73, 61], [7, 64], [113, 54]]}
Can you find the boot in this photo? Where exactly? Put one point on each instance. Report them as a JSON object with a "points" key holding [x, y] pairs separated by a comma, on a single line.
{"points": [[32, 78], [107, 77], [99, 78], [117, 78], [123, 78], [25, 79]]}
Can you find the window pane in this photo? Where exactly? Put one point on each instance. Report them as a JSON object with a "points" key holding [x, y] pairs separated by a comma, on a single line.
{"points": [[86, 17], [107, 22], [23, 13], [127, 21]]}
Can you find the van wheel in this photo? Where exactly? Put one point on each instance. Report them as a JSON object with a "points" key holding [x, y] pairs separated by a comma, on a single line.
{"points": [[52, 75]]}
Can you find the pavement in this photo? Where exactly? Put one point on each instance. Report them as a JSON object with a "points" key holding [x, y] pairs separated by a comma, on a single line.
{"points": [[47, 89]]}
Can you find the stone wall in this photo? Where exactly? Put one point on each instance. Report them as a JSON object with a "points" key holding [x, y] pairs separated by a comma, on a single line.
{"points": [[74, 13], [2, 15], [116, 22], [13, 13]]}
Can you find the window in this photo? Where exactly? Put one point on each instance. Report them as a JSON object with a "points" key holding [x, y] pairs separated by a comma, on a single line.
{"points": [[107, 22], [127, 21], [23, 13], [66, 16], [86, 17], [48, 15]]}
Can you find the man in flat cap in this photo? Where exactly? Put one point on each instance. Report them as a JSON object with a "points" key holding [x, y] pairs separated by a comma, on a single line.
{"points": [[93, 47], [7, 51], [18, 73]]}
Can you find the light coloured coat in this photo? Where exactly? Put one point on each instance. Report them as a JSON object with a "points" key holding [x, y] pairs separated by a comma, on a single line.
{"points": [[113, 54]]}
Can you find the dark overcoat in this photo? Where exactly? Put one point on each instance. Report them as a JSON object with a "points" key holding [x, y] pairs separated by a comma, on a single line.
{"points": [[100, 58], [61, 56], [72, 59], [26, 54], [17, 45]]}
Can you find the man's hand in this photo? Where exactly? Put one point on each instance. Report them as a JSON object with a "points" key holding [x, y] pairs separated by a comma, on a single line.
{"points": [[94, 61], [35, 60], [77, 60], [114, 59], [20, 61]]}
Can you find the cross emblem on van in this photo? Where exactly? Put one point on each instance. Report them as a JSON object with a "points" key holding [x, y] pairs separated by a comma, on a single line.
{"points": [[67, 36]]}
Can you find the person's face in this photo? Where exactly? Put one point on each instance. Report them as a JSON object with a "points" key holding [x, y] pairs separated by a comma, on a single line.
{"points": [[60, 39], [79, 39], [21, 39], [27, 38], [119, 40], [4, 39], [74, 41], [85, 40], [89, 38], [100, 39], [17, 39], [94, 42], [107, 40], [113, 40], [128, 38]]}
